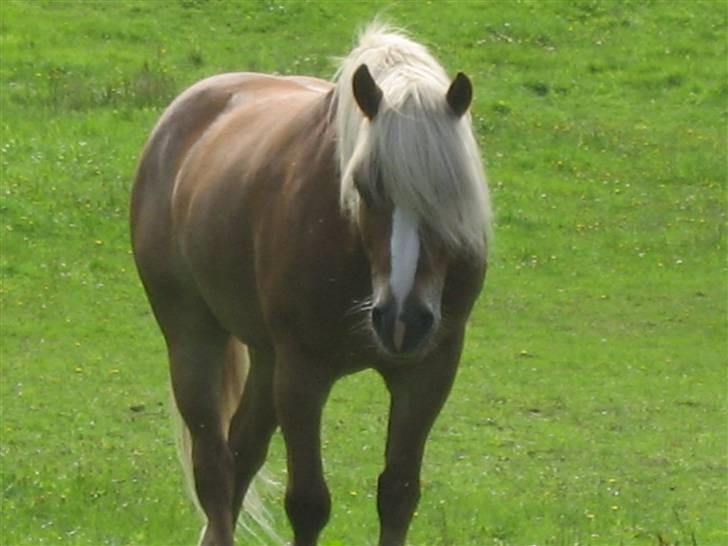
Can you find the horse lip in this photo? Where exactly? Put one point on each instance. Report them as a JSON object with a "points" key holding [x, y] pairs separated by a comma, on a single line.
{"points": [[398, 336], [391, 351]]}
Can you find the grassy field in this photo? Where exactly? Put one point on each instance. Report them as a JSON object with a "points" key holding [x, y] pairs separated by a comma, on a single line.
{"points": [[591, 405]]}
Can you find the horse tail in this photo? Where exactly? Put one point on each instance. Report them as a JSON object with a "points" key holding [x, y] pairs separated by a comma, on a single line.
{"points": [[235, 372]]}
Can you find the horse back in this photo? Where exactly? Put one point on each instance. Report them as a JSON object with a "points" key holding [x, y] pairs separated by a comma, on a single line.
{"points": [[183, 124]]}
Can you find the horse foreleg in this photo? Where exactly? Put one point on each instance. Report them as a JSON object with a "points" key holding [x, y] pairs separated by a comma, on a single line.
{"points": [[196, 365], [417, 396], [300, 394]]}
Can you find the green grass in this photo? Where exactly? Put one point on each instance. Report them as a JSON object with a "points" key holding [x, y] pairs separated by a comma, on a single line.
{"points": [[591, 404]]}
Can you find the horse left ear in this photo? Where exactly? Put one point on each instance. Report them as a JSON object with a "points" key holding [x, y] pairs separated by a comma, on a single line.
{"points": [[366, 92], [460, 94]]}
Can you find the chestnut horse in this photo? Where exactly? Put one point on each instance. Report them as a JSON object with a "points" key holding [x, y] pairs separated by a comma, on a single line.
{"points": [[289, 231]]}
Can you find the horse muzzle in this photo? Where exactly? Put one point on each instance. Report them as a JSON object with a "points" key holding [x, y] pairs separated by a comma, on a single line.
{"points": [[403, 331]]}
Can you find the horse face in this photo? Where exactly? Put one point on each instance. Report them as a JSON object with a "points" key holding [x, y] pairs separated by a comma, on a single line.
{"points": [[408, 269], [408, 262]]}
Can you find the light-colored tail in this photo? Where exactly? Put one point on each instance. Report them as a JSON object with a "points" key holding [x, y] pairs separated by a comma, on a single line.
{"points": [[235, 373]]}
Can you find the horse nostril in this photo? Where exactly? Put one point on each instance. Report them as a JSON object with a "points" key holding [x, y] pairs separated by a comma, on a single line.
{"points": [[424, 320], [419, 321], [383, 319], [378, 318], [402, 332]]}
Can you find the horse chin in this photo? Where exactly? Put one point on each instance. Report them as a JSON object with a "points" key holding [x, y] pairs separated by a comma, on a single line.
{"points": [[405, 359]]}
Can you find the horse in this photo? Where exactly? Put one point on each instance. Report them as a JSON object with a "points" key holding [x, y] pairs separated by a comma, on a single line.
{"points": [[289, 231]]}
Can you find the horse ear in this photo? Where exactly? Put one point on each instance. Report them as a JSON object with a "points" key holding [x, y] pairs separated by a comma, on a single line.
{"points": [[366, 92], [460, 94]]}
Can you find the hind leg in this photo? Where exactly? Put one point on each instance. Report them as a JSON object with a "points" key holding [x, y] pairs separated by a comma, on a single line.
{"points": [[253, 424], [197, 348]]}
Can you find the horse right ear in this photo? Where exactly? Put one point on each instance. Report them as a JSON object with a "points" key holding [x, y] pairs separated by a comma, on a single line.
{"points": [[366, 92]]}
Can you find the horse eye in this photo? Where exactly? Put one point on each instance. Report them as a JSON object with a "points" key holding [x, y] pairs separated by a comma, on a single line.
{"points": [[371, 195], [364, 192]]}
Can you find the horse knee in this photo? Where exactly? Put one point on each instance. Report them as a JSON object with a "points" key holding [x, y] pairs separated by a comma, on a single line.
{"points": [[308, 510], [212, 464]]}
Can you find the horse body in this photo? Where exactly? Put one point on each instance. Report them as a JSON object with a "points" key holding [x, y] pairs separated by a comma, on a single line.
{"points": [[227, 192], [244, 245]]}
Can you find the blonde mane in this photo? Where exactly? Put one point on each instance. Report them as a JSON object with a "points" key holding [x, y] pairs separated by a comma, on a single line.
{"points": [[415, 151]]}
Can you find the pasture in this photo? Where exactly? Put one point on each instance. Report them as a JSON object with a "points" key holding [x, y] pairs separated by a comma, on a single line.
{"points": [[590, 408]]}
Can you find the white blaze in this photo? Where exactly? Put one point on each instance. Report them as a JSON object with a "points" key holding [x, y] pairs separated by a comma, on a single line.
{"points": [[404, 254]]}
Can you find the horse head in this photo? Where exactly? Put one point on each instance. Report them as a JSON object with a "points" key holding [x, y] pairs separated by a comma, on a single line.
{"points": [[414, 219]]}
